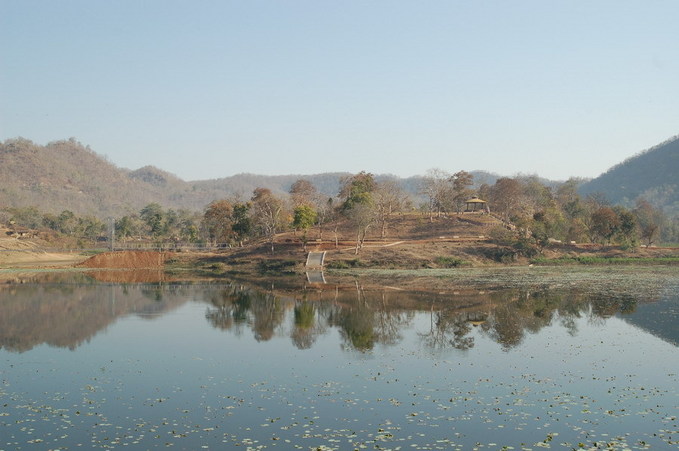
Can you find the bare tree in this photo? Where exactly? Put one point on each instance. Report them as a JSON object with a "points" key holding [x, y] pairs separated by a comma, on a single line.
{"points": [[267, 210], [436, 186], [217, 221], [303, 192], [389, 198], [649, 219], [505, 197]]}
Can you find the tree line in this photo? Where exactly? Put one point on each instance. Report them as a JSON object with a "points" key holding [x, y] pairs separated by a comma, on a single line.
{"points": [[532, 214]]}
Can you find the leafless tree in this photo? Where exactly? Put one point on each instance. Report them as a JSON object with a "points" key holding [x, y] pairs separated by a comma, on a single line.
{"points": [[267, 210]]}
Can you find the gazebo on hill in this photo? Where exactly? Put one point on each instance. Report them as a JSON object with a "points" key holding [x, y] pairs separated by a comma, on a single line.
{"points": [[475, 204]]}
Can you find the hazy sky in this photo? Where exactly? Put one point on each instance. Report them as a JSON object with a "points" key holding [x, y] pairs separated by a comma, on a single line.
{"points": [[207, 89]]}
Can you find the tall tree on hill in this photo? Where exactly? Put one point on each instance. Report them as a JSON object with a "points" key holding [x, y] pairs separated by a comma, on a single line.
{"points": [[438, 189], [389, 198], [304, 217], [358, 204], [303, 192], [218, 222], [626, 233], [650, 221], [357, 189], [268, 213], [462, 182], [505, 197], [325, 213], [241, 221]]}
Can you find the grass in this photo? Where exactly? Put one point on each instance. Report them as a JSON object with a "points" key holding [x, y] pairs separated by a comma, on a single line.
{"points": [[589, 260]]}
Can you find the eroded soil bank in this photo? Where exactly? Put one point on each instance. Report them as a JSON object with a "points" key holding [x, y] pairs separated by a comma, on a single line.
{"points": [[128, 260]]}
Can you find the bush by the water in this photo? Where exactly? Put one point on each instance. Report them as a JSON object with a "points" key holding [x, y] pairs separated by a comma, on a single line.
{"points": [[450, 262], [276, 265]]}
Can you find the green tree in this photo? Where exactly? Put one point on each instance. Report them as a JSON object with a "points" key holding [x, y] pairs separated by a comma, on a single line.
{"points": [[626, 233], [128, 226], [90, 227], [28, 217], [67, 222], [154, 218], [358, 204], [241, 223], [303, 218], [357, 189]]}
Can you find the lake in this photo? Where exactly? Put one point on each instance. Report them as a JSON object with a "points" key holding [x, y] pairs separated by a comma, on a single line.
{"points": [[460, 359]]}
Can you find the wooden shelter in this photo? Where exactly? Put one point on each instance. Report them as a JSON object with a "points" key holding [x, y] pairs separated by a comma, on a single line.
{"points": [[475, 204]]}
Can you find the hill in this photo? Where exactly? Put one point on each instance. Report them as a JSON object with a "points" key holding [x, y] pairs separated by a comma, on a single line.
{"points": [[66, 175], [652, 174]]}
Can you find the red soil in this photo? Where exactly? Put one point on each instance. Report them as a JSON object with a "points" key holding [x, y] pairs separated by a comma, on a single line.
{"points": [[128, 260]]}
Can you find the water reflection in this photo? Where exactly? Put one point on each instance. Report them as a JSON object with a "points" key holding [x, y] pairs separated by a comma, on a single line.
{"points": [[68, 310], [366, 318]]}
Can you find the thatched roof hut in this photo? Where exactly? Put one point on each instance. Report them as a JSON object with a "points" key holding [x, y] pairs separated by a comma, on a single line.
{"points": [[476, 204]]}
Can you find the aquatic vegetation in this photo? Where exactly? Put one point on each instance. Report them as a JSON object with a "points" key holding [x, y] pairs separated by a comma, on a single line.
{"points": [[224, 365]]}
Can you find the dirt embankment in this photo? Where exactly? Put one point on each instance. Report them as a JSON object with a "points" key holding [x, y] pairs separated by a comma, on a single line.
{"points": [[128, 260]]}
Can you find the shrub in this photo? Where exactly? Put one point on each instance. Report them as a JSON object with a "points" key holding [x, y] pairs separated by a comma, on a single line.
{"points": [[449, 262], [276, 265], [502, 236]]}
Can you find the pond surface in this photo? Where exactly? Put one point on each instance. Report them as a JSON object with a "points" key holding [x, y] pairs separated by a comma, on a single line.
{"points": [[90, 362]]}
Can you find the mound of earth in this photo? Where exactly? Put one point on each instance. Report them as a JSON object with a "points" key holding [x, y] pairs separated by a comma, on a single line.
{"points": [[128, 260]]}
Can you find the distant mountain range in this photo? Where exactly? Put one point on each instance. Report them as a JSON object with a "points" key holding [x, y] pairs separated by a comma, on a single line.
{"points": [[652, 174], [65, 175]]}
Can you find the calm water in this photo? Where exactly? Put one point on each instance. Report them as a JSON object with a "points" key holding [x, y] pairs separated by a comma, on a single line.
{"points": [[197, 365]]}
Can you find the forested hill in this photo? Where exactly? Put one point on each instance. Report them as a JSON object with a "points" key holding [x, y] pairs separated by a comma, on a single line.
{"points": [[65, 175], [652, 174]]}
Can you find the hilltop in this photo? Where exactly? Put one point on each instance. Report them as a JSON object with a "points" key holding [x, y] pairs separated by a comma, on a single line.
{"points": [[652, 174], [412, 241]]}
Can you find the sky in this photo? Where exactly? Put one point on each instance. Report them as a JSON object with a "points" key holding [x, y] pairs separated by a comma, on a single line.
{"points": [[210, 89]]}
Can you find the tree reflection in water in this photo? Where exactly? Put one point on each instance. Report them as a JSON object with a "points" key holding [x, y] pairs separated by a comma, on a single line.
{"points": [[365, 317], [306, 328]]}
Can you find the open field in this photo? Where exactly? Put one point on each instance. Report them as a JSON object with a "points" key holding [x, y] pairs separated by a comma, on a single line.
{"points": [[19, 253]]}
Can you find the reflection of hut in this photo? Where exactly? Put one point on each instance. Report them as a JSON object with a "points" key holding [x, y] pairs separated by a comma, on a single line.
{"points": [[476, 318], [475, 204]]}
